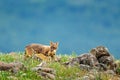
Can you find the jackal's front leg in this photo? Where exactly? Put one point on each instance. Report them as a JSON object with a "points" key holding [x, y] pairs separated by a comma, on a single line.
{"points": [[42, 57]]}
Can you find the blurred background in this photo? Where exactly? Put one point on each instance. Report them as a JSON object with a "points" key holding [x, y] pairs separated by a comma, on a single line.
{"points": [[78, 25]]}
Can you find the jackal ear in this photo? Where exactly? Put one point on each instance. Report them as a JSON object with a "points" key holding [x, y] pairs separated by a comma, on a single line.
{"points": [[57, 43], [51, 43]]}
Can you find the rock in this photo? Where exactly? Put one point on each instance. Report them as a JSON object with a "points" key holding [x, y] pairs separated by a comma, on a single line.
{"points": [[102, 67], [85, 59], [13, 67], [44, 72], [36, 69], [85, 78], [104, 57], [100, 51], [110, 72], [98, 62], [48, 75], [47, 70], [93, 73], [98, 59], [85, 67]]}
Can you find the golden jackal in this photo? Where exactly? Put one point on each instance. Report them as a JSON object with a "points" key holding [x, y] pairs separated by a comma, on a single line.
{"points": [[44, 52]]}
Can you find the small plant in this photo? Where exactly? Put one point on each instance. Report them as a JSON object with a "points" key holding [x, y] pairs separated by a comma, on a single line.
{"points": [[118, 71]]}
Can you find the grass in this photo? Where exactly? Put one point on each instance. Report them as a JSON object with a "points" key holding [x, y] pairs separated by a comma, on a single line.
{"points": [[62, 72]]}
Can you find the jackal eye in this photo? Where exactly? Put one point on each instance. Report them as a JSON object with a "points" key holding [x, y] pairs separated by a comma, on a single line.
{"points": [[53, 48]]}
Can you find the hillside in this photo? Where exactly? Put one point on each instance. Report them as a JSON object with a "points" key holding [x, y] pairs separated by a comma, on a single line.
{"points": [[61, 72]]}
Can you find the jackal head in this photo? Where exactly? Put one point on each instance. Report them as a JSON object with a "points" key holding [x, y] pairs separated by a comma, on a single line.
{"points": [[53, 48]]}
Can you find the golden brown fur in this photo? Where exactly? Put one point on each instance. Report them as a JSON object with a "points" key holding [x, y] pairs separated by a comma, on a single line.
{"points": [[44, 52]]}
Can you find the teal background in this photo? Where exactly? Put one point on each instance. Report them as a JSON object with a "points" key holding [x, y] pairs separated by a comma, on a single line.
{"points": [[78, 25]]}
